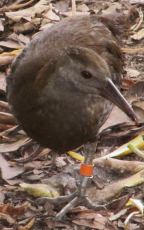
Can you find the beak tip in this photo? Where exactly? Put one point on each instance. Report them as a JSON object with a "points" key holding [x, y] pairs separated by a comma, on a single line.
{"points": [[133, 116], [117, 98]]}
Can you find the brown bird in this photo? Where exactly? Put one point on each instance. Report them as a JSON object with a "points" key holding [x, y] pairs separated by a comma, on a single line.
{"points": [[61, 88]]}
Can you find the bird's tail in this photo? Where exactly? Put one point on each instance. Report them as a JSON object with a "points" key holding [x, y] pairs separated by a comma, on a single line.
{"points": [[119, 23]]}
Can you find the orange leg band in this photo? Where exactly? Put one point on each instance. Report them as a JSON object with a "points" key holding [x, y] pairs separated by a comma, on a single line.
{"points": [[86, 170]]}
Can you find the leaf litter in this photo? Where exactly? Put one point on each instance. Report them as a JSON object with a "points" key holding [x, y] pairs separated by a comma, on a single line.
{"points": [[115, 180]]}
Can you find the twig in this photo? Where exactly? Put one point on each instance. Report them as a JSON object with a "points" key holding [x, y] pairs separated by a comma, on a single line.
{"points": [[128, 50], [8, 8], [32, 156], [73, 7]]}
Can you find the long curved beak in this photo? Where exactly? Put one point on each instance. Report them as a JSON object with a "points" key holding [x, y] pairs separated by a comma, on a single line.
{"points": [[111, 93]]}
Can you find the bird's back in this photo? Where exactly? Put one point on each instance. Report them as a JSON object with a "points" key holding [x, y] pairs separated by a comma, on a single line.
{"points": [[86, 31]]}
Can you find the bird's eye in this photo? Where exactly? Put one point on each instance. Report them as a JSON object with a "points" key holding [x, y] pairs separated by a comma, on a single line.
{"points": [[86, 74]]}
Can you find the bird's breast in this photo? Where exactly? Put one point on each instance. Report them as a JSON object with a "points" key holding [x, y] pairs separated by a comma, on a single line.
{"points": [[67, 124]]}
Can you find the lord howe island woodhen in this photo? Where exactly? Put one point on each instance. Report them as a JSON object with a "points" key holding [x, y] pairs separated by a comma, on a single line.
{"points": [[62, 86]]}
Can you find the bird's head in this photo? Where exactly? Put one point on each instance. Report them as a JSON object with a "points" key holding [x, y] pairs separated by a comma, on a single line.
{"points": [[83, 71]]}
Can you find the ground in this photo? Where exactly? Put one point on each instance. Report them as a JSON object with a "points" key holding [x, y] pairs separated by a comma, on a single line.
{"points": [[115, 180]]}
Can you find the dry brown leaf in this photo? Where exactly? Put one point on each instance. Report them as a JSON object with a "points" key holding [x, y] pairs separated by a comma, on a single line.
{"points": [[5, 60], [62, 5], [24, 27], [60, 161], [4, 106], [2, 196], [28, 13], [112, 8], [11, 145], [4, 127], [11, 210], [28, 226], [16, 38], [11, 44], [118, 204], [136, 92], [15, 7], [8, 218], [118, 215], [2, 81], [116, 117], [45, 26], [132, 72], [44, 151], [139, 20], [1, 26], [119, 167], [9, 172], [126, 83], [57, 225], [51, 15], [113, 190], [79, 209], [7, 118], [7, 228], [139, 111], [11, 132], [93, 219], [24, 39], [139, 35], [139, 104], [83, 8]]}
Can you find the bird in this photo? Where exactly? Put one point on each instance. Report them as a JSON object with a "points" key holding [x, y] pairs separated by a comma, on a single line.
{"points": [[62, 87]]}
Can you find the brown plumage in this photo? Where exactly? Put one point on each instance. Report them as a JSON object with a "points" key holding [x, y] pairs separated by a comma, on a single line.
{"points": [[60, 86], [51, 109]]}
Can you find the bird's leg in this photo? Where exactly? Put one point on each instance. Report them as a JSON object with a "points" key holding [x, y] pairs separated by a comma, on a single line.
{"points": [[89, 152], [86, 169], [53, 153], [79, 196]]}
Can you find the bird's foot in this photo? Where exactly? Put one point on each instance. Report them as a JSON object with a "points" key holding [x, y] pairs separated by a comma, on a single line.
{"points": [[79, 197], [78, 200]]}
